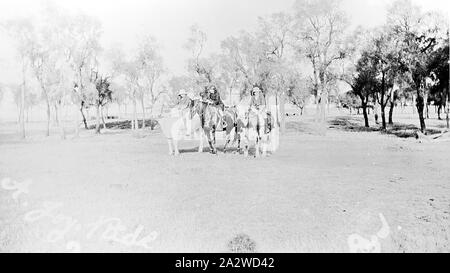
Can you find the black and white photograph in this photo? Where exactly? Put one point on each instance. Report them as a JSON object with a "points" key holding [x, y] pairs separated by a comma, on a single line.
{"points": [[222, 126]]}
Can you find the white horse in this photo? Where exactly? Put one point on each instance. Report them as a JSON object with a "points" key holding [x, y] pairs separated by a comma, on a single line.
{"points": [[175, 129]]}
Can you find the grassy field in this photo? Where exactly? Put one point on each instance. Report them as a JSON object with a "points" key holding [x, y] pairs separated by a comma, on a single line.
{"points": [[121, 191]]}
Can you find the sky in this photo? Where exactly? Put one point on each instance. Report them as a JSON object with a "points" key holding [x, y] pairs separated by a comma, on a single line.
{"points": [[125, 21]]}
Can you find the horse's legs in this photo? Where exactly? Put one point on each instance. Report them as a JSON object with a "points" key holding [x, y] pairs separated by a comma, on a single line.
{"points": [[246, 143], [227, 141], [210, 141], [213, 131], [257, 146], [239, 144], [237, 137], [264, 146]]}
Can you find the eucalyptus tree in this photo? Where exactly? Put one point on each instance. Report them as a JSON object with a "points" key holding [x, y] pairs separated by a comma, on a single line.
{"points": [[22, 31], [419, 33], [251, 59], [275, 34], [201, 68], [151, 70], [319, 35], [439, 73], [81, 45], [299, 90], [387, 62], [362, 78]]}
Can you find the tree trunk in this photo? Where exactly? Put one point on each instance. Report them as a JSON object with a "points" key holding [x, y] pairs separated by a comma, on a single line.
{"points": [[376, 108], [55, 106], [143, 113], [135, 124], [22, 102], [30, 110], [22, 110], [103, 116], [60, 123], [366, 116], [383, 103], [97, 123], [283, 113], [383, 117], [328, 103], [162, 109], [62, 131], [391, 112], [323, 104], [317, 102], [77, 122], [420, 109], [447, 106], [48, 115], [84, 117], [448, 119]]}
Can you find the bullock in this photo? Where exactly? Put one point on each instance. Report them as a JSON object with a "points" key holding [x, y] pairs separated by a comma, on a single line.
{"points": [[175, 129]]}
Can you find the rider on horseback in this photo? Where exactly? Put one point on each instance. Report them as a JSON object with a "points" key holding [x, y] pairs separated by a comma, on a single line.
{"points": [[183, 99], [258, 105], [257, 101], [212, 97], [184, 105]]}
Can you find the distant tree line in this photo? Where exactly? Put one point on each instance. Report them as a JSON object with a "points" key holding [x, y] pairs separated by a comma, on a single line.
{"points": [[305, 52]]}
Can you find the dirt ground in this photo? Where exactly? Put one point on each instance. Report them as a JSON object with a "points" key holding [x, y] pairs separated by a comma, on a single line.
{"points": [[122, 192]]}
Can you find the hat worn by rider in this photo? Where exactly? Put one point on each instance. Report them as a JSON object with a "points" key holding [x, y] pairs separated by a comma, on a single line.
{"points": [[255, 90]]}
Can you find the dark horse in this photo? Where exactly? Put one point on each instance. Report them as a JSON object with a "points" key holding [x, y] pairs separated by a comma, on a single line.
{"points": [[231, 122], [210, 120]]}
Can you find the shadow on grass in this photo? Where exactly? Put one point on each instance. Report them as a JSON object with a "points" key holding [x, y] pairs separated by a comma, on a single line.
{"points": [[304, 127], [353, 124], [442, 126], [220, 151], [126, 124], [297, 126]]}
